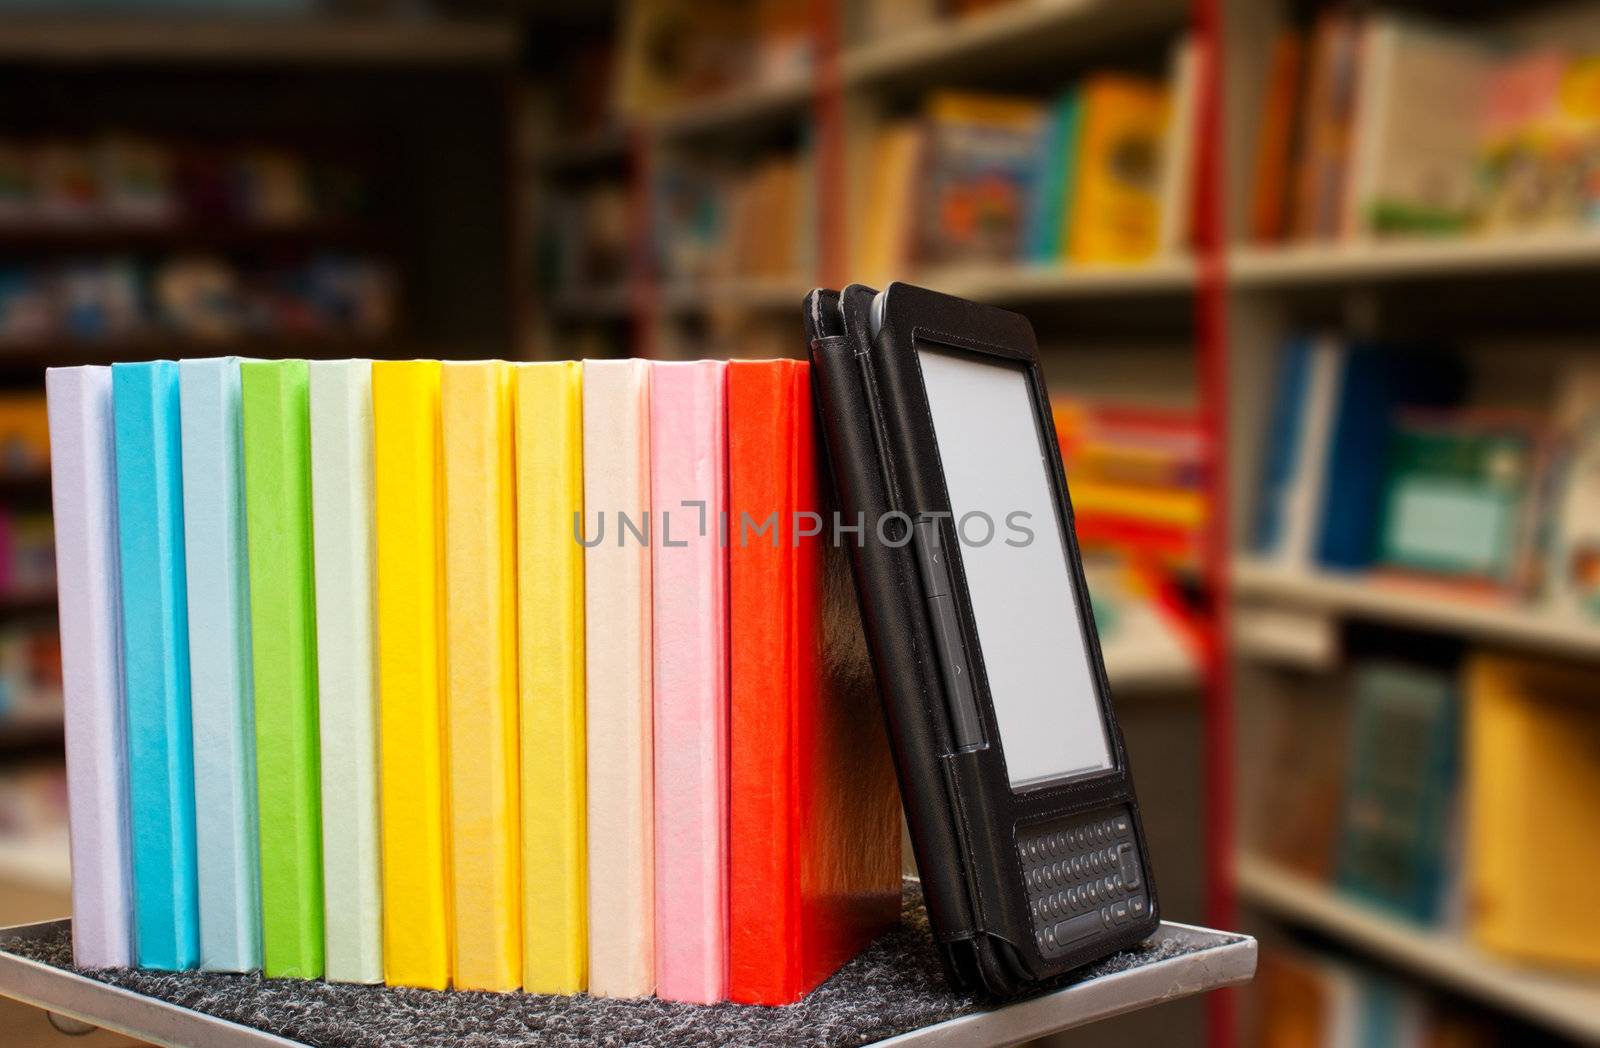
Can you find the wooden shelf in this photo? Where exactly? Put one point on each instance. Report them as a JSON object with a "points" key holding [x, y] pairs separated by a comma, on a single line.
{"points": [[1023, 283], [754, 295], [1420, 258], [258, 41], [735, 110], [1568, 1005], [1418, 606], [96, 235], [1009, 34]]}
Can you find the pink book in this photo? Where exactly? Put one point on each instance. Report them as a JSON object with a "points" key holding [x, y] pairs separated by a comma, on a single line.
{"points": [[688, 481]]}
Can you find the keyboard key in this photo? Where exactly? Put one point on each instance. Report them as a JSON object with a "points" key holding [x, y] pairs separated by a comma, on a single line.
{"points": [[1076, 929]]}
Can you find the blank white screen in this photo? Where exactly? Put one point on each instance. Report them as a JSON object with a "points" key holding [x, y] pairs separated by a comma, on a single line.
{"points": [[1023, 600]]}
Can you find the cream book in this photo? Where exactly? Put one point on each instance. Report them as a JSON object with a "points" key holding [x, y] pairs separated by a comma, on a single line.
{"points": [[342, 537], [616, 525]]}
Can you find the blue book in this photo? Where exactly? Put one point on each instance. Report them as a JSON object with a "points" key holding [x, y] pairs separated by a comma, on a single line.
{"points": [[1377, 381], [155, 639], [219, 665], [1283, 445]]}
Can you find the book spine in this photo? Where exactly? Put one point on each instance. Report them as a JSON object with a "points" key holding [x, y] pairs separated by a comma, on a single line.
{"points": [[481, 674], [763, 798], [83, 481], [347, 711], [221, 684], [687, 482], [406, 500], [616, 470], [155, 636], [277, 477], [550, 596]]}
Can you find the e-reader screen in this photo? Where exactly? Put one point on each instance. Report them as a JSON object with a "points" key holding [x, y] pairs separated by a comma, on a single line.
{"points": [[1019, 578]]}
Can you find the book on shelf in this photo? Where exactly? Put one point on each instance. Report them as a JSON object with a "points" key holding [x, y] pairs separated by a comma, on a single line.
{"points": [[1459, 496], [1303, 780], [1533, 759], [1303, 997], [1378, 124], [1101, 173], [982, 160], [1275, 143], [1570, 528], [1400, 788], [1116, 202], [1331, 423]]}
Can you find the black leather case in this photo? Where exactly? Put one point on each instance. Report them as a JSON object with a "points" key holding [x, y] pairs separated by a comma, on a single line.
{"points": [[991, 859]]}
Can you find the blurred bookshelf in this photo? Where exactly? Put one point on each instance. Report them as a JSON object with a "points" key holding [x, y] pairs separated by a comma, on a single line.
{"points": [[179, 184], [1409, 240], [1566, 1005]]}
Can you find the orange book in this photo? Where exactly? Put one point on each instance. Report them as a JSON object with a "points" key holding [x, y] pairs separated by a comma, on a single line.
{"points": [[1116, 211], [814, 813], [1269, 205]]}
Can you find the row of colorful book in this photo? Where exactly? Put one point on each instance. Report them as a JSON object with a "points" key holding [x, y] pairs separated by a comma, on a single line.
{"points": [[1419, 782], [1377, 462], [465, 674], [1378, 123]]}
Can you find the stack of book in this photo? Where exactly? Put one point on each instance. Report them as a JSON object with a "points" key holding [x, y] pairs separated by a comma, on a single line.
{"points": [[467, 675]]}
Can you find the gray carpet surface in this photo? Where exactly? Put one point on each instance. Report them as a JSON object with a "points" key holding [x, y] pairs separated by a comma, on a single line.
{"points": [[893, 986]]}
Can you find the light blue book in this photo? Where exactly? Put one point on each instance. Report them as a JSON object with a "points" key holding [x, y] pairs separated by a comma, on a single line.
{"points": [[155, 639], [219, 666]]}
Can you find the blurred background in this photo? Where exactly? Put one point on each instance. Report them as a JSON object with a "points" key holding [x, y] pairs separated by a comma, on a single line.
{"points": [[1314, 284]]}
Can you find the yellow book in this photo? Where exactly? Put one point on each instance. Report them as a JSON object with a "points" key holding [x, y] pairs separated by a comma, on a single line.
{"points": [[480, 617], [549, 461], [1115, 215], [1533, 773], [406, 500]]}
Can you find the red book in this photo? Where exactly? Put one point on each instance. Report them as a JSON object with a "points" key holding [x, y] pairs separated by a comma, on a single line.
{"points": [[814, 813]]}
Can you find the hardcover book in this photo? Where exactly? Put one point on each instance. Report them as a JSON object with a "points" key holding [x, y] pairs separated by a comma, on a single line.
{"points": [[549, 459], [283, 641], [406, 511], [814, 813], [481, 674], [155, 664], [221, 682], [347, 693], [83, 479]]}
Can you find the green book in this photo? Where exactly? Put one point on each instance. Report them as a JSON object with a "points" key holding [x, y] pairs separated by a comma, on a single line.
{"points": [[1456, 494], [277, 486]]}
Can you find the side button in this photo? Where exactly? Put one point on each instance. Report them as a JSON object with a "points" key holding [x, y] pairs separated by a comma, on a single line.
{"points": [[1130, 867]]}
